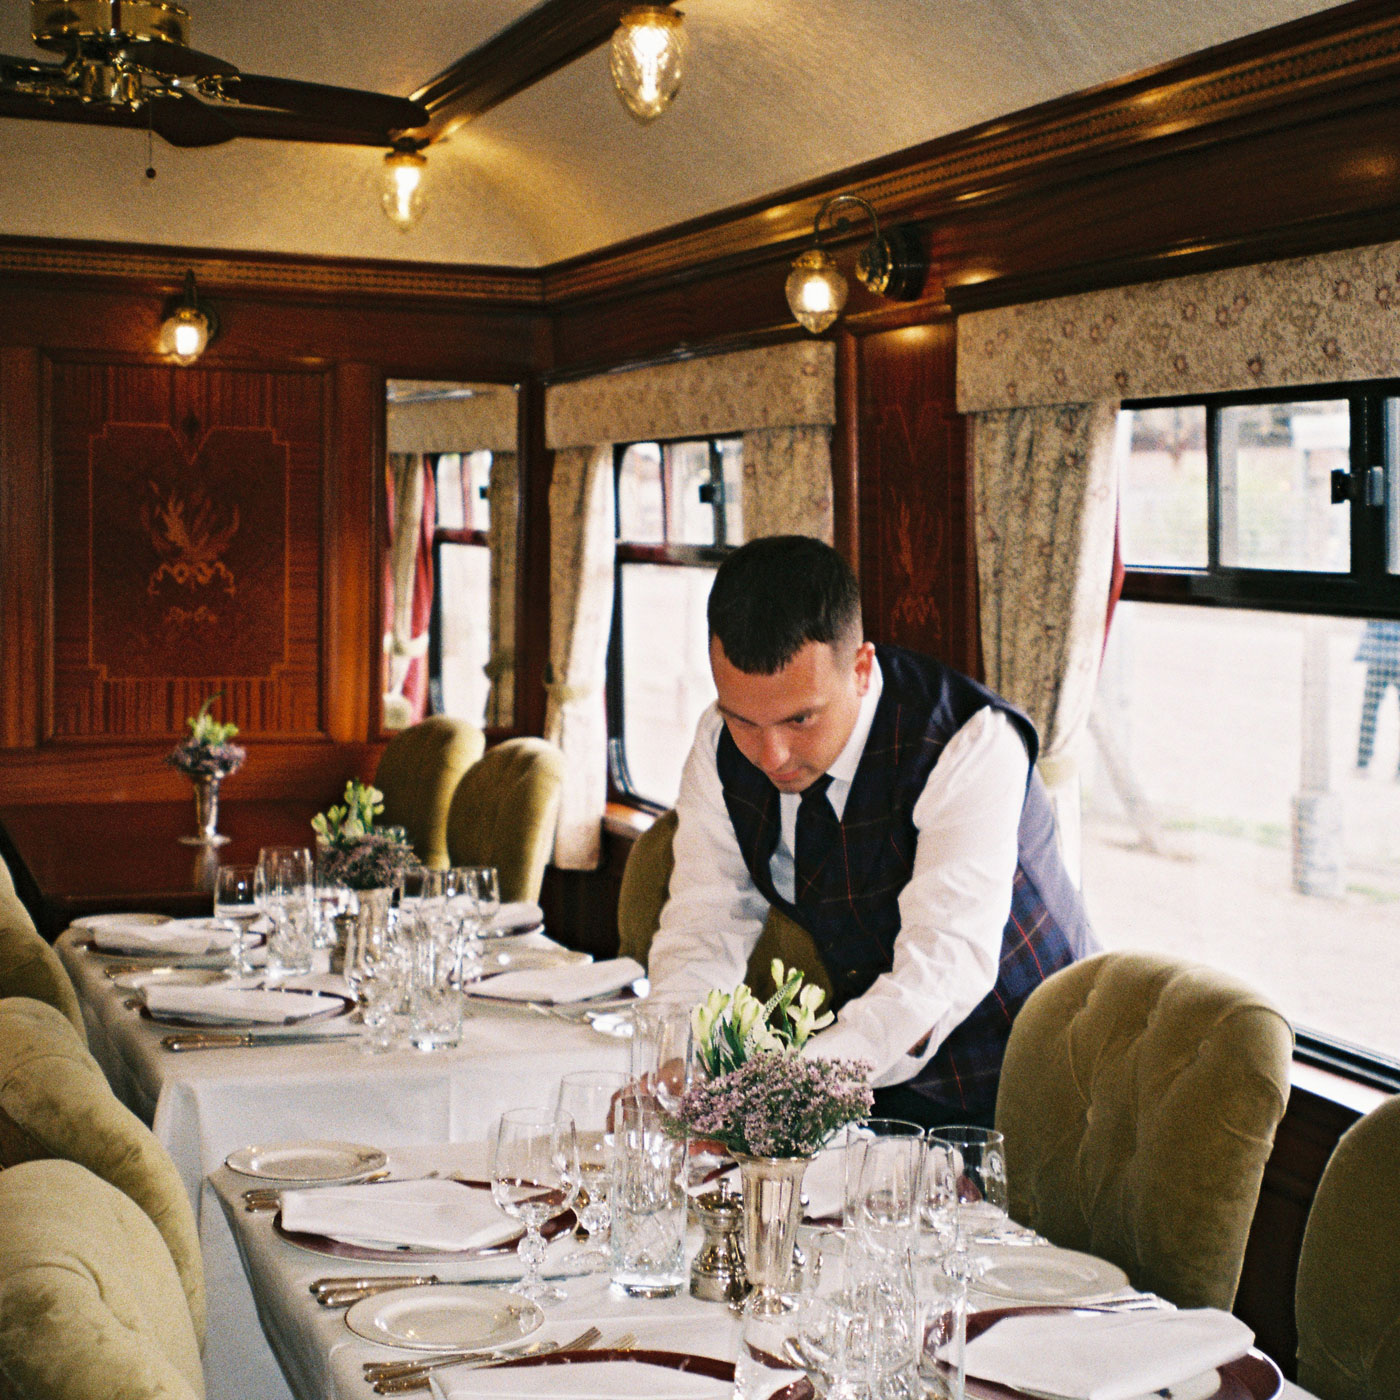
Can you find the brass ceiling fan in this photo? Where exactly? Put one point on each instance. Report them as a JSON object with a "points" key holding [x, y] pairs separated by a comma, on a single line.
{"points": [[128, 63]]}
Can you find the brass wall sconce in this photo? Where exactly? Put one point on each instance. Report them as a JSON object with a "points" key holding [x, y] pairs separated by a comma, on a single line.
{"points": [[401, 183], [648, 54], [188, 325], [890, 265]]}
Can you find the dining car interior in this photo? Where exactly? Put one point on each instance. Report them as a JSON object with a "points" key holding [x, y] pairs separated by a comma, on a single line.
{"points": [[564, 563]]}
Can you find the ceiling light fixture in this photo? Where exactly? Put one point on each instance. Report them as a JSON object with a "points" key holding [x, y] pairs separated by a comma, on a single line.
{"points": [[188, 326], [648, 52], [402, 188], [890, 266]]}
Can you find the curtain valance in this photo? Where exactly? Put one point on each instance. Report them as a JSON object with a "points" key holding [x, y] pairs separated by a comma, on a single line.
{"points": [[484, 422], [1320, 319], [777, 386]]}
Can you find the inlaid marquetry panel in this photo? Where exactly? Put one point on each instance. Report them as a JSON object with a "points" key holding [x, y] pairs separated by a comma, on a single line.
{"points": [[187, 537]]}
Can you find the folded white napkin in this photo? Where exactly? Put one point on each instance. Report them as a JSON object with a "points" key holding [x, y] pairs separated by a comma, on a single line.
{"points": [[582, 1380], [423, 1214], [576, 982], [114, 934], [824, 1185], [238, 1005], [523, 913], [1105, 1356]]}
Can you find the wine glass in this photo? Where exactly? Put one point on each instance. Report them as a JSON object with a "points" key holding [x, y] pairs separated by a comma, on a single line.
{"points": [[587, 1097], [534, 1175], [236, 907], [478, 900], [884, 1176], [975, 1160]]}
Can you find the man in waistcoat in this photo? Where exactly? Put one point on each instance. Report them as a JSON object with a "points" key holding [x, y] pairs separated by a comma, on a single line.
{"points": [[886, 803]]}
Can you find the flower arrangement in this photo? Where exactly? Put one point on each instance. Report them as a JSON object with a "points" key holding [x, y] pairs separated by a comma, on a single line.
{"points": [[353, 852], [207, 753], [761, 1098]]}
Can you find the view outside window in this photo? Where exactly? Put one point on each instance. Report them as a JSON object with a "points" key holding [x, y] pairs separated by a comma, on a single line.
{"points": [[462, 612], [1229, 816], [1164, 500]]}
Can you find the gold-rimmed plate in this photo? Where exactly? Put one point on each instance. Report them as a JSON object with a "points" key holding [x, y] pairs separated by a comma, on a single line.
{"points": [[304, 1162], [443, 1317]]}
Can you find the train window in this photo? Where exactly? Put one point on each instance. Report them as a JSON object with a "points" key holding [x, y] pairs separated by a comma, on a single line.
{"points": [[1242, 776], [460, 635], [678, 513]]}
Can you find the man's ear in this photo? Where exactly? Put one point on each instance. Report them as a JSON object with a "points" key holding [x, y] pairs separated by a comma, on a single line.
{"points": [[864, 661]]}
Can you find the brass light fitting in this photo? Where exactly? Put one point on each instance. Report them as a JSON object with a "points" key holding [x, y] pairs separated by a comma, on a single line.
{"points": [[189, 325]]}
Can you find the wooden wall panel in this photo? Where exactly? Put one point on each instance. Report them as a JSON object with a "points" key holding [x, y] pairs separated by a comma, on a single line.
{"points": [[23, 548], [186, 548]]}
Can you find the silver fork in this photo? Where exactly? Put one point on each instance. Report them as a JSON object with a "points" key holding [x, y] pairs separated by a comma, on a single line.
{"points": [[401, 1377]]}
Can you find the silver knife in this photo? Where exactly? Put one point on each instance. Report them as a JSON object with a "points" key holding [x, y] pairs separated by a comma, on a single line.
{"points": [[230, 1040]]}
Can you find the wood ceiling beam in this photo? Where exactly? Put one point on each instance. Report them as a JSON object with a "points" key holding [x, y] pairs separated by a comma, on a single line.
{"points": [[550, 37]]}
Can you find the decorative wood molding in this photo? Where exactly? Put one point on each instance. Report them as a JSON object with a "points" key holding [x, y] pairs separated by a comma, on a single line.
{"points": [[269, 272]]}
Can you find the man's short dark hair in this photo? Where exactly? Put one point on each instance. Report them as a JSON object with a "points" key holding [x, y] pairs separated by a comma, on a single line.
{"points": [[774, 595]]}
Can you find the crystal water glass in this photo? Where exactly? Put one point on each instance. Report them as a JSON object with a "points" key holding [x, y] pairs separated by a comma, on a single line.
{"points": [[435, 1003], [534, 1176], [588, 1097], [236, 908], [477, 902], [376, 971], [284, 890], [663, 1049], [884, 1164], [648, 1202], [975, 1161]]}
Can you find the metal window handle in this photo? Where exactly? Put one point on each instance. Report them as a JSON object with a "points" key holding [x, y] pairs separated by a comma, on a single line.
{"points": [[712, 493], [1341, 486], [1375, 486]]}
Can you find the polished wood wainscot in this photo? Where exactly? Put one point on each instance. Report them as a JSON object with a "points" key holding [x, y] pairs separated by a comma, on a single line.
{"points": [[74, 858]]}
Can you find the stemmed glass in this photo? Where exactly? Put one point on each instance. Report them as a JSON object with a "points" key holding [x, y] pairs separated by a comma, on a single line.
{"points": [[975, 1159], [236, 906], [587, 1097], [478, 900], [534, 1175]]}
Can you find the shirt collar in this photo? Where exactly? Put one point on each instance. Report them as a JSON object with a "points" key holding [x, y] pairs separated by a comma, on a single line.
{"points": [[848, 760]]}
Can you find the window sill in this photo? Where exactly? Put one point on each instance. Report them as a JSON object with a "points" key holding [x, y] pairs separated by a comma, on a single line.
{"points": [[622, 819]]}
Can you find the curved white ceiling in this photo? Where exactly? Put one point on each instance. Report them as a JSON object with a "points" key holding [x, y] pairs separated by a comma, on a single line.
{"points": [[777, 92]]}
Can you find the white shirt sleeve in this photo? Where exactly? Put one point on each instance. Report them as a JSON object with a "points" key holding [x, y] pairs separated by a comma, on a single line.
{"points": [[715, 914], [953, 910]]}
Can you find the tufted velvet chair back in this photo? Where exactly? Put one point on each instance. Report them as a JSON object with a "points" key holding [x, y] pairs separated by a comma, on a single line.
{"points": [[28, 966], [504, 813], [646, 881], [418, 773], [1348, 1300], [1139, 1097], [90, 1302], [55, 1103]]}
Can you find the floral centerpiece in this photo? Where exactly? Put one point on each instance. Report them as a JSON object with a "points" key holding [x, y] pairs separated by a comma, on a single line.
{"points": [[207, 757], [353, 851], [770, 1107]]}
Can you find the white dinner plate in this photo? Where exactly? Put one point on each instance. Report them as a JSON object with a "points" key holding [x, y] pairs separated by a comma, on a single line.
{"points": [[1201, 1387], [443, 1317], [1046, 1274], [115, 921], [510, 959], [306, 1161]]}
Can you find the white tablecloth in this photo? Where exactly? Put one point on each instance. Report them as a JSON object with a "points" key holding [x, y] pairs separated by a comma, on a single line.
{"points": [[204, 1104]]}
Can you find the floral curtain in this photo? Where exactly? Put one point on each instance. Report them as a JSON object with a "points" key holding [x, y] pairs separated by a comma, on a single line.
{"points": [[500, 669], [1046, 503], [580, 614], [787, 482], [412, 510]]}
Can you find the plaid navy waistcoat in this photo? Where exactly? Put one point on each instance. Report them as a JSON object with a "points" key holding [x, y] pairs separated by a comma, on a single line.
{"points": [[851, 907]]}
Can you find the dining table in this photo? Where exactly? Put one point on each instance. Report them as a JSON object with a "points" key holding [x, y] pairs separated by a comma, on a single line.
{"points": [[203, 1105]]}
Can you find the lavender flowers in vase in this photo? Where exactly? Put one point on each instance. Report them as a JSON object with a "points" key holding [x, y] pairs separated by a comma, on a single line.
{"points": [[207, 757]]}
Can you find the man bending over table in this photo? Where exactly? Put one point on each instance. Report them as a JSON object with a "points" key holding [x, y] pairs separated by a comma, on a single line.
{"points": [[887, 804]]}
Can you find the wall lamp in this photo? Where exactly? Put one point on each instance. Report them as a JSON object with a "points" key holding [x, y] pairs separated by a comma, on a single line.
{"points": [[891, 265], [648, 52], [401, 183], [188, 325]]}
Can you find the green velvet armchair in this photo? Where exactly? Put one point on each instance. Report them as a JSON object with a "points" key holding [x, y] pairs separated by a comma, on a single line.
{"points": [[418, 773], [28, 966]]}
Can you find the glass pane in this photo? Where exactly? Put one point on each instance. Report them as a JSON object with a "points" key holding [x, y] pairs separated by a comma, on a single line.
{"points": [[1162, 476], [641, 514], [478, 477], [666, 679], [449, 490], [692, 519], [1276, 464], [731, 457], [1226, 817], [464, 578]]}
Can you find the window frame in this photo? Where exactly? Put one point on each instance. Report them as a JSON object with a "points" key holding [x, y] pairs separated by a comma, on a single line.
{"points": [[620, 785], [1366, 590], [447, 534]]}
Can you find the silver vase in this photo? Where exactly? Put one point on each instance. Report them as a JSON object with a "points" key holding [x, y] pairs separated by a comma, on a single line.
{"points": [[206, 812], [772, 1213]]}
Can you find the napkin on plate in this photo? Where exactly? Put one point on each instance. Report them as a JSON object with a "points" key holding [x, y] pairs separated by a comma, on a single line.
{"points": [[824, 1185], [580, 1380], [250, 1006], [421, 1214], [1105, 1356], [115, 934], [575, 982]]}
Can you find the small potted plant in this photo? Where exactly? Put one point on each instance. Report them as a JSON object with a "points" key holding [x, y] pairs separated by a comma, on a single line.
{"points": [[207, 757]]}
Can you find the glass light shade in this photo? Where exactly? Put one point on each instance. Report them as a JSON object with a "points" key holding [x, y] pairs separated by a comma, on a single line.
{"points": [[184, 334], [402, 195], [816, 290], [648, 51]]}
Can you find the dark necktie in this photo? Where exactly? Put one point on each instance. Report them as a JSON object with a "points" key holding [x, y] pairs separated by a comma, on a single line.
{"points": [[817, 827]]}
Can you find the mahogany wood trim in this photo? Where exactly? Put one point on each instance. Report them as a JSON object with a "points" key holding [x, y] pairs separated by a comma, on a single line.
{"points": [[532, 620], [845, 452], [24, 545], [541, 42]]}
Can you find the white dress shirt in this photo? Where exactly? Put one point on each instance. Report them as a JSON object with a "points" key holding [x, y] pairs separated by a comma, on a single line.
{"points": [[952, 911]]}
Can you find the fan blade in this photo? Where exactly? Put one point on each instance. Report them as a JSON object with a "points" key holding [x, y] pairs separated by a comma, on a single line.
{"points": [[174, 60], [185, 121], [17, 69], [343, 106]]}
